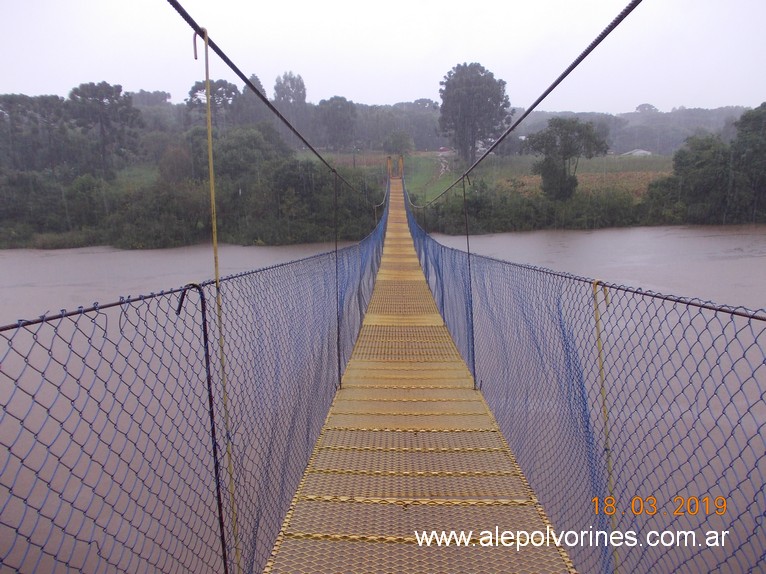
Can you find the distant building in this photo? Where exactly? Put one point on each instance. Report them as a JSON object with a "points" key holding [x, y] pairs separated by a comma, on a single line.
{"points": [[637, 152]]}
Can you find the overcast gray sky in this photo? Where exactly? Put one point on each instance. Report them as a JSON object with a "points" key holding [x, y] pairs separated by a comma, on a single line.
{"points": [[670, 53]]}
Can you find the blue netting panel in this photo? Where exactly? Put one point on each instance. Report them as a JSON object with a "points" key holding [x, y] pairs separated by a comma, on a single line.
{"points": [[684, 391], [106, 462], [446, 272], [281, 369], [106, 465], [357, 269]]}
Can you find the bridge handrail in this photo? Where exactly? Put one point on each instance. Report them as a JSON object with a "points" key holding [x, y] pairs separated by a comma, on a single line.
{"points": [[105, 434], [610, 392]]}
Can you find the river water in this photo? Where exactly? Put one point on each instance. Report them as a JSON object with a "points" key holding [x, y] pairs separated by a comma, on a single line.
{"points": [[35, 282], [726, 265]]}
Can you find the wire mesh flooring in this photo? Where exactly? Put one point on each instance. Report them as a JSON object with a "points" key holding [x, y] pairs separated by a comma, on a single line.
{"points": [[410, 447]]}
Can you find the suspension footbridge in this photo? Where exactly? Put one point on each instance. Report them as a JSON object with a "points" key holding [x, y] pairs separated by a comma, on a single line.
{"points": [[409, 445], [333, 410], [356, 410]]}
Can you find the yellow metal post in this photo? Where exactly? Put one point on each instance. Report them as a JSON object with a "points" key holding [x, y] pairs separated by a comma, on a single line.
{"points": [[219, 312], [604, 408]]}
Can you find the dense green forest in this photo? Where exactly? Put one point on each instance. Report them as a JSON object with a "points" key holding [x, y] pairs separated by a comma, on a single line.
{"points": [[131, 170], [102, 166]]}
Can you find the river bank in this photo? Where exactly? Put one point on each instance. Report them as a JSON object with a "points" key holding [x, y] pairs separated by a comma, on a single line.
{"points": [[724, 264]]}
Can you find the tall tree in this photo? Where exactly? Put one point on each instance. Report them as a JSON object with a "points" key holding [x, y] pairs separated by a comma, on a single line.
{"points": [[749, 150], [702, 167], [103, 108], [398, 142], [646, 109], [290, 100], [337, 116], [562, 144], [248, 109], [290, 90], [474, 107], [18, 123], [222, 96], [142, 98]]}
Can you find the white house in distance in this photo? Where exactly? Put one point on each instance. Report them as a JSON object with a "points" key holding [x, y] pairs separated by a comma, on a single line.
{"points": [[636, 153]]}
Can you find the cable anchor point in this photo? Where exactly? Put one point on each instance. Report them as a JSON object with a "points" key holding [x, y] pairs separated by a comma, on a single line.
{"points": [[194, 40]]}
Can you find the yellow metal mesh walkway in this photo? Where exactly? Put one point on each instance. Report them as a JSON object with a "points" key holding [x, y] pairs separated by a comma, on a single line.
{"points": [[409, 445]]}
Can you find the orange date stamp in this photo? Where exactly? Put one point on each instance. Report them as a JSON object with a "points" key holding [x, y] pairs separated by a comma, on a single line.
{"points": [[648, 506]]}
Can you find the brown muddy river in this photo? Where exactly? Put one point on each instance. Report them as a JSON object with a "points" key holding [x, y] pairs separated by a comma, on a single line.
{"points": [[35, 282], [726, 265]]}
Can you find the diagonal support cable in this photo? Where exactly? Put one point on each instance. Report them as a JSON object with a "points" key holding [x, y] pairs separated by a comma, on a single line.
{"points": [[585, 53], [200, 31]]}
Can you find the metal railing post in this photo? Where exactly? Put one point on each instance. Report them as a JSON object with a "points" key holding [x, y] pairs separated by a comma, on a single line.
{"points": [[211, 411]]}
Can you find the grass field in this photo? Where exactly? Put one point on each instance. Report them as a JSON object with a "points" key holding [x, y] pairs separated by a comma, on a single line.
{"points": [[366, 159], [426, 176]]}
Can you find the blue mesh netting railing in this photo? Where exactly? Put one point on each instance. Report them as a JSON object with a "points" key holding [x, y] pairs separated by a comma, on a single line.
{"points": [[607, 391], [105, 418]]}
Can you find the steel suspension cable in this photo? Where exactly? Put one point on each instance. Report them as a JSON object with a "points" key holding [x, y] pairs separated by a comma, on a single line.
{"points": [[221, 54], [592, 46]]}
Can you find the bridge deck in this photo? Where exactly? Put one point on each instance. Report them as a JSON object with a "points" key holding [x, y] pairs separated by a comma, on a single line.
{"points": [[409, 445]]}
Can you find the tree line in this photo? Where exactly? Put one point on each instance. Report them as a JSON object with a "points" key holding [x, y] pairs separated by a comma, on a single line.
{"points": [[714, 181], [717, 178], [130, 169]]}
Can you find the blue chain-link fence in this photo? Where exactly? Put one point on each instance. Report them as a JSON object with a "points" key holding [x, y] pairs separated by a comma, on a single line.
{"points": [[631, 413], [107, 461]]}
